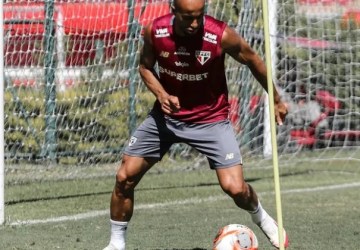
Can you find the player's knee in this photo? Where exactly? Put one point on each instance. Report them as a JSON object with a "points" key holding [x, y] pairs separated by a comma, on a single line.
{"points": [[129, 174], [238, 191], [124, 184], [124, 187]]}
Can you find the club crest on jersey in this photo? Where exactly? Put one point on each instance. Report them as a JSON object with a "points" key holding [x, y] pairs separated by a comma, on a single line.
{"points": [[202, 56]]}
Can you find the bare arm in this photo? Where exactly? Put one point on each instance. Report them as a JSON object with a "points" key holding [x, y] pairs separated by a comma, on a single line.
{"points": [[234, 45], [169, 103]]}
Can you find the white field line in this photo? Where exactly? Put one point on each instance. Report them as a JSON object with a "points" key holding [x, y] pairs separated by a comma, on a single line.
{"points": [[93, 214]]}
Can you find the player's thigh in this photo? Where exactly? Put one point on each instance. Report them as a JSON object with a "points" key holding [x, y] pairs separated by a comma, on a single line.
{"points": [[133, 168], [217, 142], [152, 139]]}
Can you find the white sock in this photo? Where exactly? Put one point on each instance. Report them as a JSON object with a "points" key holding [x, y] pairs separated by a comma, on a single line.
{"points": [[259, 214], [118, 233]]}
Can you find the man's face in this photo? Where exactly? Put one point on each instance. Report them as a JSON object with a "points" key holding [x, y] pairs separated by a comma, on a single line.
{"points": [[189, 15]]}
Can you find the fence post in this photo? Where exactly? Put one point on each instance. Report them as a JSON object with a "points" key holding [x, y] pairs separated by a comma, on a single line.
{"points": [[132, 32], [49, 150]]}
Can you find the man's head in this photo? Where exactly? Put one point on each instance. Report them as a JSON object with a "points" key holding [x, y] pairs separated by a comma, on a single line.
{"points": [[189, 16]]}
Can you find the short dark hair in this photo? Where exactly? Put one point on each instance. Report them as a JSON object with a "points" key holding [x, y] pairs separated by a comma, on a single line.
{"points": [[174, 4]]}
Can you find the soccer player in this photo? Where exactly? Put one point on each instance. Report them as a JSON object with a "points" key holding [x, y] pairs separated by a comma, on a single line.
{"points": [[192, 107]]}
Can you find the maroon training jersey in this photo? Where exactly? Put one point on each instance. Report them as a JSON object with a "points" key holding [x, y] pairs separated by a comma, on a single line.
{"points": [[192, 68]]}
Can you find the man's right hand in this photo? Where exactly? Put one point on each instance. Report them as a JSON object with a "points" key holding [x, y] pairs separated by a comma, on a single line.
{"points": [[170, 104]]}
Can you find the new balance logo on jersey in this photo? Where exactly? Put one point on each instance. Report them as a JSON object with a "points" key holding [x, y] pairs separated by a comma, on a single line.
{"points": [[164, 54], [229, 156], [202, 56], [162, 33], [211, 38]]}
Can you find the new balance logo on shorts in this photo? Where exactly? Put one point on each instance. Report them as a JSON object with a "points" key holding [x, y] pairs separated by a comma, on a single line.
{"points": [[229, 156]]}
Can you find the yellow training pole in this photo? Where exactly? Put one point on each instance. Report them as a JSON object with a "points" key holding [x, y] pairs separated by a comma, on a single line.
{"points": [[272, 122]]}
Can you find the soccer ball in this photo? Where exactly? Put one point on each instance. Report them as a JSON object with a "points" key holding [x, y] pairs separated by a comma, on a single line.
{"points": [[235, 236]]}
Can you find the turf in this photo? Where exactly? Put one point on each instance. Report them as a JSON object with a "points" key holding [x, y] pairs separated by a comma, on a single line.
{"points": [[184, 209]]}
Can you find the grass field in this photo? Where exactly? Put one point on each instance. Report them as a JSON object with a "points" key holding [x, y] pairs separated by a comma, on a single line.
{"points": [[182, 209]]}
